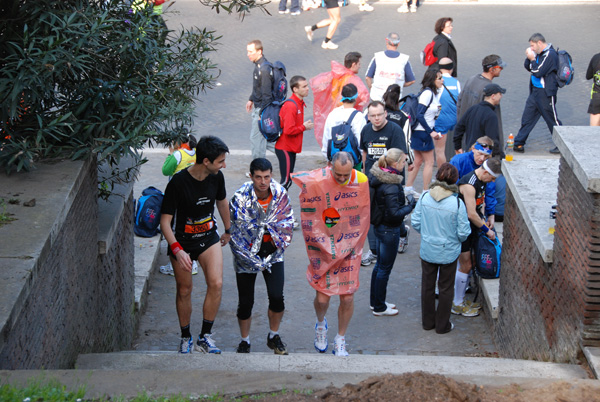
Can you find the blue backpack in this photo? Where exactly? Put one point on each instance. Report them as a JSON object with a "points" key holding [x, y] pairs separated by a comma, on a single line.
{"points": [[343, 139], [565, 72], [147, 213], [409, 105], [280, 84], [487, 257], [269, 123]]}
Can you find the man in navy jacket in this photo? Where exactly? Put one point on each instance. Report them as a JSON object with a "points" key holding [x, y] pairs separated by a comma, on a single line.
{"points": [[542, 63]]}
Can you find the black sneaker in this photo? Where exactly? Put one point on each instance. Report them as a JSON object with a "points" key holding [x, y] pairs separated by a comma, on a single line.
{"points": [[519, 148], [243, 347], [554, 150], [277, 345]]}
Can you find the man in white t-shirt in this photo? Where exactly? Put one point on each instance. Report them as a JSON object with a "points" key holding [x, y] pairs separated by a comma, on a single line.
{"points": [[342, 114], [389, 67]]}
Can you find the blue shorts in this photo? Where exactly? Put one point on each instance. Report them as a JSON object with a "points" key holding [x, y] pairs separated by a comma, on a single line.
{"points": [[421, 141]]}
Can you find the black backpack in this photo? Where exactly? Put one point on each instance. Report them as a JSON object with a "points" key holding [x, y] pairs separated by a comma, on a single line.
{"points": [[343, 139], [147, 213]]}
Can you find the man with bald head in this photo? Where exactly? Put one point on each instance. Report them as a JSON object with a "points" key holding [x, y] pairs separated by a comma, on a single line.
{"points": [[389, 67]]}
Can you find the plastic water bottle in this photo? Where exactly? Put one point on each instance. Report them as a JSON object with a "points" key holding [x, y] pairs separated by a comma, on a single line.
{"points": [[510, 144]]}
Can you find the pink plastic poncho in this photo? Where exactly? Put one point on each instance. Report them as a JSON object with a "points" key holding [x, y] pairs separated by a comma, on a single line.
{"points": [[327, 93], [335, 222]]}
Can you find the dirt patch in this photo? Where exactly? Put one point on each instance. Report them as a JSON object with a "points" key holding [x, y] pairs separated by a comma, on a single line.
{"points": [[420, 386]]}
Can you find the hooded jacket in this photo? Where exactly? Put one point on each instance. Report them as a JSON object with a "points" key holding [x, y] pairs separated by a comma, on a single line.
{"points": [[441, 219], [387, 189], [249, 223]]}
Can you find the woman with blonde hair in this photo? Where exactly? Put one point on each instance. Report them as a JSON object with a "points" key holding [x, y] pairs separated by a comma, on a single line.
{"points": [[388, 209]]}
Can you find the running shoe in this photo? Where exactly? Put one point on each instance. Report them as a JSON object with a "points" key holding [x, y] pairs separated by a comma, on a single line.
{"points": [[243, 347], [388, 305], [367, 258], [365, 7], [413, 8], [403, 8], [166, 269], [321, 343], [186, 345], [339, 347], [194, 267], [276, 345], [207, 345], [464, 310], [329, 45], [309, 32]]}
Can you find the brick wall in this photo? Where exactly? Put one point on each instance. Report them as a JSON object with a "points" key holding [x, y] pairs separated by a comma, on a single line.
{"points": [[78, 302], [548, 310]]}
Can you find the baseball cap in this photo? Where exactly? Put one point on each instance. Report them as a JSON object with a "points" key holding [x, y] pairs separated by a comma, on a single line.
{"points": [[498, 62], [491, 89]]}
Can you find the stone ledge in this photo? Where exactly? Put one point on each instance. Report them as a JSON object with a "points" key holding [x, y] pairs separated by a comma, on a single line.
{"points": [[534, 186], [577, 147]]}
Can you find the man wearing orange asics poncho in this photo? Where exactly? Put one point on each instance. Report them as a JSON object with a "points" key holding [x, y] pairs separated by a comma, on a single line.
{"points": [[327, 90], [335, 211]]}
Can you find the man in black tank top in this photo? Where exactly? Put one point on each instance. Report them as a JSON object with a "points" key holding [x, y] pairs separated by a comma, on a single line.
{"points": [[472, 190]]}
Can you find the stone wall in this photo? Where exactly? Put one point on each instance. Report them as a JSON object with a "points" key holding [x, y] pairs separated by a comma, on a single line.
{"points": [[59, 296], [550, 285]]}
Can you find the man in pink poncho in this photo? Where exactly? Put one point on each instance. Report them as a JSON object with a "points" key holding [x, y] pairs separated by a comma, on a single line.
{"points": [[327, 90]]}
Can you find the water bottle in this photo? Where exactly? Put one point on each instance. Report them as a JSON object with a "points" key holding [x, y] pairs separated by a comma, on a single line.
{"points": [[510, 143]]}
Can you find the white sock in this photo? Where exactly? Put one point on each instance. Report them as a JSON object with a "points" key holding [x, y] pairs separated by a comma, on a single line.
{"points": [[460, 287], [321, 324], [247, 339], [272, 334], [339, 337], [408, 188]]}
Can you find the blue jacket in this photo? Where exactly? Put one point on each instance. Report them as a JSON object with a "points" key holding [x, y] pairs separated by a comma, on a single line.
{"points": [[465, 163], [544, 67], [441, 219]]}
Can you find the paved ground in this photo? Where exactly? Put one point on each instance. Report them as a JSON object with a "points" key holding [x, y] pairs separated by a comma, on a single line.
{"points": [[479, 30]]}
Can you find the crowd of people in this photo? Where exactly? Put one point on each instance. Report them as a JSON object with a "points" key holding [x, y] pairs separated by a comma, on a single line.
{"points": [[375, 151]]}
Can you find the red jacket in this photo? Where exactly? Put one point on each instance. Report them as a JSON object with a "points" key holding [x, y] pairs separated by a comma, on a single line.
{"points": [[291, 117]]}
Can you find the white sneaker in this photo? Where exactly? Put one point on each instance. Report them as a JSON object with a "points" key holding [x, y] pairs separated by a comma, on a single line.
{"points": [[194, 267], [321, 343], [296, 224], [339, 347], [403, 8], [403, 244], [365, 7], [413, 8], [247, 174], [166, 270], [309, 32], [367, 258], [294, 13], [387, 312], [287, 11], [389, 305], [329, 45], [412, 192]]}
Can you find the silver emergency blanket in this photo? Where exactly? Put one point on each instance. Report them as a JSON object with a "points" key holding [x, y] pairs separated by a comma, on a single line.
{"points": [[249, 222]]}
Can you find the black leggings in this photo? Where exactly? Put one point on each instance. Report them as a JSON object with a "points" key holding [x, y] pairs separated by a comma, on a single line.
{"points": [[245, 285], [287, 161]]}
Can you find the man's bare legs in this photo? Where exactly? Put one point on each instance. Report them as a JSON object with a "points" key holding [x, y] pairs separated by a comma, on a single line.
{"points": [[345, 311], [211, 262]]}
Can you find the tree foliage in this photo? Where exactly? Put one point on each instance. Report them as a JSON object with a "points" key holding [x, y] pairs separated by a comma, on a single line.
{"points": [[85, 77]]}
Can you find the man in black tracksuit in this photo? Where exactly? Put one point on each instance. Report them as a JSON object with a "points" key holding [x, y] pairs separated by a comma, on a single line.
{"points": [[542, 63], [480, 120]]}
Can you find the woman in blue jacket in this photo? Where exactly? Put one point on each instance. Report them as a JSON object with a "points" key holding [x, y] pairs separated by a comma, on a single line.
{"points": [[441, 219], [388, 209]]}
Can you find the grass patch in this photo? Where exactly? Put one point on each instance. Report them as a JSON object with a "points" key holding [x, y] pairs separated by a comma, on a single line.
{"points": [[5, 217]]}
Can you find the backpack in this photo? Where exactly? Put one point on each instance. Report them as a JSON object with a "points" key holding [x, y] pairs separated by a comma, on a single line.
{"points": [[427, 57], [343, 139], [147, 212], [565, 72], [487, 257], [269, 123], [280, 84], [410, 106]]}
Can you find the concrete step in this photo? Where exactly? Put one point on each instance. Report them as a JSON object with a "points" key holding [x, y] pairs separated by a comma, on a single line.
{"points": [[326, 363]]}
